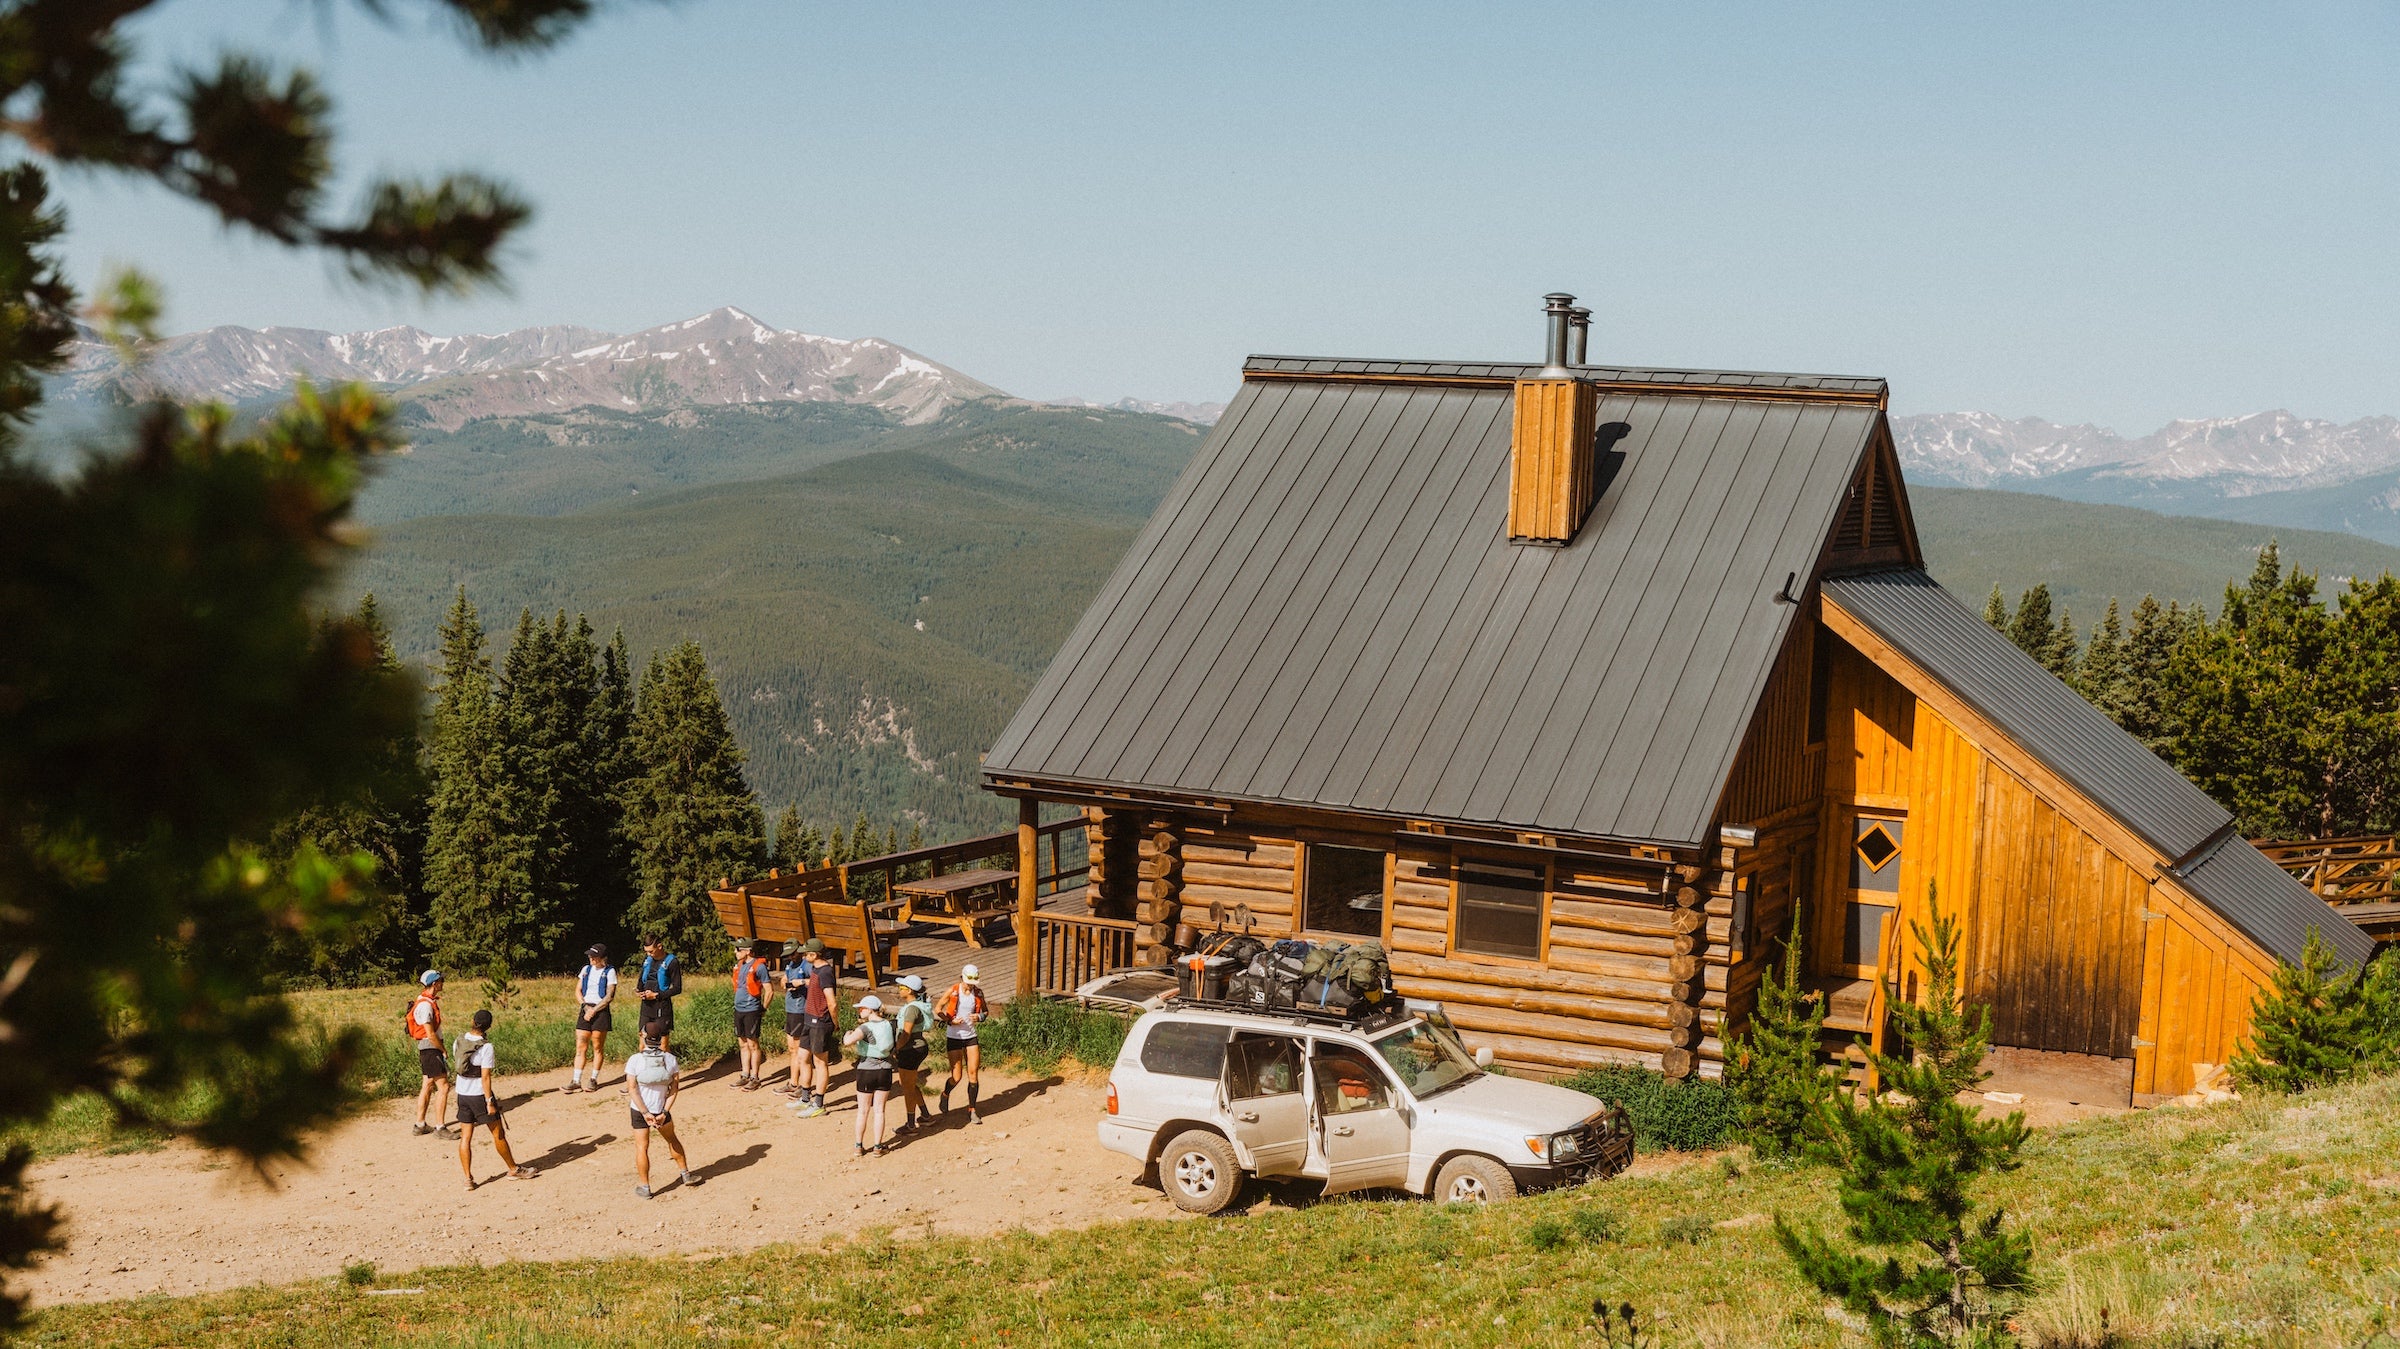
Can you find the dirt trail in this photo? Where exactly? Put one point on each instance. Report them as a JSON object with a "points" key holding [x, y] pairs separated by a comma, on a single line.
{"points": [[178, 1221]]}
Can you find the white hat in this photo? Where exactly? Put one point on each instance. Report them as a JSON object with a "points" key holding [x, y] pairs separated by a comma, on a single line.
{"points": [[870, 1003], [969, 973], [910, 982]]}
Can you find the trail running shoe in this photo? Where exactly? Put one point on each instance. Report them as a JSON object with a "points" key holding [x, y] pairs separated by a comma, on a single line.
{"points": [[690, 1179], [641, 1191], [945, 1100], [972, 1117], [420, 1129]]}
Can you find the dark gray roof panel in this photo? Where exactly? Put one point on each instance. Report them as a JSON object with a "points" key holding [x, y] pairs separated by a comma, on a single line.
{"points": [[1510, 370], [2276, 911], [1326, 611], [2074, 740], [2051, 721]]}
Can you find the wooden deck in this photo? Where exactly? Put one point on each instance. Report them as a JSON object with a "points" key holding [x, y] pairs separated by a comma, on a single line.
{"points": [[935, 952]]}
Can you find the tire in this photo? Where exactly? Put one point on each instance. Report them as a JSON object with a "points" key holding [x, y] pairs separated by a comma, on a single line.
{"points": [[1199, 1172], [1473, 1180]]}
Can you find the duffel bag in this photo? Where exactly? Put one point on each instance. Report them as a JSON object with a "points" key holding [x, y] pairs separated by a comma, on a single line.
{"points": [[1327, 995], [1367, 971], [1323, 960]]}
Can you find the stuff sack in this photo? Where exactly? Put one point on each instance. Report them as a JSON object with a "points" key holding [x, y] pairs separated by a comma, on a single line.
{"points": [[1240, 948], [1323, 959], [1365, 970]]}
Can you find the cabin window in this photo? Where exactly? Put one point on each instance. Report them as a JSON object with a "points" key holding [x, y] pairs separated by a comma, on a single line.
{"points": [[1499, 909], [1343, 890]]}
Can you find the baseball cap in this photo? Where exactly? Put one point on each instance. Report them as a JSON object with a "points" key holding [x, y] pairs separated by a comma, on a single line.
{"points": [[969, 973], [596, 951], [792, 947], [813, 946], [870, 1003], [911, 982], [429, 978]]}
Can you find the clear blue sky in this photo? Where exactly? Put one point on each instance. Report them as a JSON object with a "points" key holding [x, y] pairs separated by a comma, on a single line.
{"points": [[2109, 213]]}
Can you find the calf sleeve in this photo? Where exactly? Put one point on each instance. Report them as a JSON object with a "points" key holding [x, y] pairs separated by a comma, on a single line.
{"points": [[974, 1090]]}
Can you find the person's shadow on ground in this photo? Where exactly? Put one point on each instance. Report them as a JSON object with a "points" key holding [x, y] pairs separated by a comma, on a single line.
{"points": [[740, 1161], [573, 1150], [997, 1103]]}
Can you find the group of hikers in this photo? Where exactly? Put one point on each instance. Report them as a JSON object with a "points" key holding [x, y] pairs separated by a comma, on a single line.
{"points": [[889, 1046]]}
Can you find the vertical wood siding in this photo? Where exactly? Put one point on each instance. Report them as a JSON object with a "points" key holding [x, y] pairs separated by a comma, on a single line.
{"points": [[2201, 980], [1777, 768]]}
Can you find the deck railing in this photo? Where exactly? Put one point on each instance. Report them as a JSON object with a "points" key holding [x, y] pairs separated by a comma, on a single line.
{"points": [[1071, 950], [2361, 869]]}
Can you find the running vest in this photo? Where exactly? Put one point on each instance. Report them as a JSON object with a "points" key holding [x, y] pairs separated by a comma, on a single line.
{"points": [[425, 1030], [875, 1044], [594, 982], [749, 990], [795, 987], [660, 968]]}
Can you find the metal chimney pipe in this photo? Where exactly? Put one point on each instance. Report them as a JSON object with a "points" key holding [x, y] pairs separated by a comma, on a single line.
{"points": [[1580, 335], [1560, 306]]}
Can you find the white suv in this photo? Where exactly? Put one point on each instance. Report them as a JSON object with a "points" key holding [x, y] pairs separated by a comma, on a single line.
{"points": [[1210, 1093]]}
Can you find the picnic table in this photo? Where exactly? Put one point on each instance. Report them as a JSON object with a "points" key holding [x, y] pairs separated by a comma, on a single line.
{"points": [[964, 898]]}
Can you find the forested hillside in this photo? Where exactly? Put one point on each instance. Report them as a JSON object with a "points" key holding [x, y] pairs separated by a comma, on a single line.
{"points": [[872, 622]]}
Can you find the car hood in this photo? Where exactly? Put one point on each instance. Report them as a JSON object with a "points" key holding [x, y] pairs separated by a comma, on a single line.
{"points": [[1527, 1106]]}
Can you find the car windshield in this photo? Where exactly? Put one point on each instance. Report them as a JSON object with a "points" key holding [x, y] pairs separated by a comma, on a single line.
{"points": [[1427, 1056]]}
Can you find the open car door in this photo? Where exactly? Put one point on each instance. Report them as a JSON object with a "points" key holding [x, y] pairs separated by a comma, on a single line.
{"points": [[1265, 1108], [1356, 1117]]}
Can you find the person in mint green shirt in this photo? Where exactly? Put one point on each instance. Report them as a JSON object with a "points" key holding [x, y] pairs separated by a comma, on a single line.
{"points": [[874, 1037], [915, 1025]]}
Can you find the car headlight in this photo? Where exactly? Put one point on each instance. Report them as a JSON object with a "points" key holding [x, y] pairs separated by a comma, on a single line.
{"points": [[1557, 1149]]}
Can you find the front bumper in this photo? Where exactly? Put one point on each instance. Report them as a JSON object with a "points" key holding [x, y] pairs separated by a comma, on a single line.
{"points": [[1610, 1154]]}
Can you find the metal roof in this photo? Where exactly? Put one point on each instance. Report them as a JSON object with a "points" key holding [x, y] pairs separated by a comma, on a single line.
{"points": [[1859, 386], [2075, 740], [1326, 611]]}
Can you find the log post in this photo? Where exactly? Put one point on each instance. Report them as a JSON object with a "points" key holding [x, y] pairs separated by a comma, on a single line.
{"points": [[1029, 819]]}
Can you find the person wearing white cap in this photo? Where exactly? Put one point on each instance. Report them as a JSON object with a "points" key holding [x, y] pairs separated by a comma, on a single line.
{"points": [[424, 1027], [962, 1009], [874, 1036], [915, 1027]]}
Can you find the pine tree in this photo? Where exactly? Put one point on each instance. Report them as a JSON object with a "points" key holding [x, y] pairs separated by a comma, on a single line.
{"points": [[690, 815], [1908, 1160], [609, 749], [542, 712], [2261, 706], [1775, 1067], [2060, 653], [379, 941], [478, 859], [1995, 610], [798, 845], [2310, 1027], [2145, 705], [2031, 626], [2101, 677]]}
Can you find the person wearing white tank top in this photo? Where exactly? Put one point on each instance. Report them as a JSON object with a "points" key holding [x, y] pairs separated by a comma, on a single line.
{"points": [[962, 1009]]}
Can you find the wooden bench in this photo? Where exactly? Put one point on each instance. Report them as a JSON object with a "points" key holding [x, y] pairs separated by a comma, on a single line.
{"points": [[810, 904]]}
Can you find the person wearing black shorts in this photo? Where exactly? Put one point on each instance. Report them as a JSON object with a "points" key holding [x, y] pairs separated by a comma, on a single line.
{"points": [[794, 977], [425, 1031], [751, 976], [479, 1101], [875, 1037], [595, 993], [914, 1024], [818, 1029], [652, 1079], [659, 984]]}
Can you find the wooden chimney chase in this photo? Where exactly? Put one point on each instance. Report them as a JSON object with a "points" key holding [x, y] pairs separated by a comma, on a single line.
{"points": [[1552, 479]]}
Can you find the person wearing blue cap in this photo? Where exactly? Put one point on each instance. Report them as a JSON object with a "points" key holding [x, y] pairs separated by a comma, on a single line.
{"points": [[423, 1022]]}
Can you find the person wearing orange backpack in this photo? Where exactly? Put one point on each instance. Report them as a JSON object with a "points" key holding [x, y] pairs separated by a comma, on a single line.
{"points": [[750, 977], [961, 1010], [423, 1022]]}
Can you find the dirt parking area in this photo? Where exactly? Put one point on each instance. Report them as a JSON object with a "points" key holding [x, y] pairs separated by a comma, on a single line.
{"points": [[177, 1221]]}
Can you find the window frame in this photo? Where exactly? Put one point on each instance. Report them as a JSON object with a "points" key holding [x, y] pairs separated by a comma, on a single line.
{"points": [[1547, 869], [1308, 844]]}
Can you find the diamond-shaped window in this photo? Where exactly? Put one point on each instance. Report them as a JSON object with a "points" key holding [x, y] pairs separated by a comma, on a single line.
{"points": [[1877, 847]]}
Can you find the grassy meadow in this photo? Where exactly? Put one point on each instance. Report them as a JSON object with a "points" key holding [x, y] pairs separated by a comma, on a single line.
{"points": [[2264, 1222]]}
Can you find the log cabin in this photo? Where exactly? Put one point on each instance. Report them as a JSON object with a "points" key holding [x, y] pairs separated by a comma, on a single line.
{"points": [[1584, 688]]}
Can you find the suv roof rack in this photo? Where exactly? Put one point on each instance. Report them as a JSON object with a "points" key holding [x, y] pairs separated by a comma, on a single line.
{"points": [[1392, 1010]]}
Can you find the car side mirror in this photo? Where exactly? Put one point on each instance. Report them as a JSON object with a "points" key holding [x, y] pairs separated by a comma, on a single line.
{"points": [[1483, 1057]]}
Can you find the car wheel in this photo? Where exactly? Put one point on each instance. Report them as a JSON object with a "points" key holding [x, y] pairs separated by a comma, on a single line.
{"points": [[1473, 1180], [1199, 1172]]}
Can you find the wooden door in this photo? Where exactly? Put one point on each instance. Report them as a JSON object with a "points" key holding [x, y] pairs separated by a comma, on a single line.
{"points": [[1863, 874]]}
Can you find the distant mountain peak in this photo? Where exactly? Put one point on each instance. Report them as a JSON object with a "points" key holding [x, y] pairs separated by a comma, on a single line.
{"points": [[726, 355]]}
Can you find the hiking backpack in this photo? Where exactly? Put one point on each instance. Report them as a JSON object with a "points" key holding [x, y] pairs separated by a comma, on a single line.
{"points": [[420, 1033]]}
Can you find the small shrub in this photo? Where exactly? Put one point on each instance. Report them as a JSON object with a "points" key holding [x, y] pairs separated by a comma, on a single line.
{"points": [[1619, 1326], [2317, 1024], [1597, 1225], [1546, 1234], [1690, 1115], [358, 1274], [1039, 1032], [1689, 1229]]}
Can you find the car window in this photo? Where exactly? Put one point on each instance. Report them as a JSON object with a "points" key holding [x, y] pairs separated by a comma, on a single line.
{"points": [[1262, 1065], [1427, 1056], [1347, 1081], [1185, 1049]]}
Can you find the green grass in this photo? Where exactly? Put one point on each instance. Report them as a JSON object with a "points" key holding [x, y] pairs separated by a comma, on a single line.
{"points": [[2263, 1223]]}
